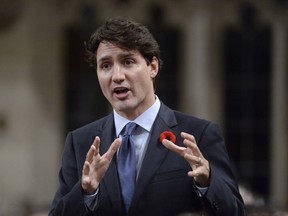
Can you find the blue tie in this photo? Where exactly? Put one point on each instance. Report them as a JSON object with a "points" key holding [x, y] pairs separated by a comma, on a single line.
{"points": [[127, 165]]}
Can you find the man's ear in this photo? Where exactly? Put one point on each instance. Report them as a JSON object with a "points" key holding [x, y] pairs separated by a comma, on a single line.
{"points": [[154, 67]]}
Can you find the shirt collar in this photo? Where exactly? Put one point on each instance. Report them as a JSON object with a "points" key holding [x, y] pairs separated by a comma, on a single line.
{"points": [[145, 120]]}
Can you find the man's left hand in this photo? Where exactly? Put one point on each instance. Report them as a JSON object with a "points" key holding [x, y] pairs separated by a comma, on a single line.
{"points": [[191, 153]]}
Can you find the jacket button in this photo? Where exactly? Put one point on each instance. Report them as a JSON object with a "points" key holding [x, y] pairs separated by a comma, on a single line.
{"points": [[215, 205]]}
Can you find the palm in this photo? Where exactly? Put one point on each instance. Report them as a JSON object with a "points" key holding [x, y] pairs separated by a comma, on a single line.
{"points": [[95, 165]]}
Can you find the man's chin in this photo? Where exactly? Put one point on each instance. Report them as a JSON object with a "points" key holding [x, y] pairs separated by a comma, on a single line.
{"points": [[125, 110]]}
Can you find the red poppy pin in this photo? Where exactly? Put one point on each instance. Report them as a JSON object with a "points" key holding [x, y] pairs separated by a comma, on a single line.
{"points": [[167, 135]]}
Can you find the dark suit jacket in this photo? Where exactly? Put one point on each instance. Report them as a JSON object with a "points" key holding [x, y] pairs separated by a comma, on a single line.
{"points": [[163, 187]]}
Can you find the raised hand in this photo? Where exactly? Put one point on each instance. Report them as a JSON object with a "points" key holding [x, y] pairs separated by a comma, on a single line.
{"points": [[95, 165], [199, 165]]}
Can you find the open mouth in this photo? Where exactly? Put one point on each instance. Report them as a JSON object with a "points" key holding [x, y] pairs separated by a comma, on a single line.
{"points": [[121, 92]]}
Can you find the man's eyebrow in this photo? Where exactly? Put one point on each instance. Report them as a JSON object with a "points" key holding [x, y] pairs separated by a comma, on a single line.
{"points": [[121, 55], [104, 58], [127, 54]]}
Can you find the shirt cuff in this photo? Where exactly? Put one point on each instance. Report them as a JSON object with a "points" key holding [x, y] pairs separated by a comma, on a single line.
{"points": [[91, 201], [201, 191]]}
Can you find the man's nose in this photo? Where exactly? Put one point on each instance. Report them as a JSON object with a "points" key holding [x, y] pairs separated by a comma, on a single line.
{"points": [[118, 74]]}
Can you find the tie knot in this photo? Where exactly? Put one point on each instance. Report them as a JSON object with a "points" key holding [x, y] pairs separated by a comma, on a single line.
{"points": [[129, 128]]}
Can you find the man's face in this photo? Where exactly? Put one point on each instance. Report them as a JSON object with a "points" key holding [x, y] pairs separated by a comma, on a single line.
{"points": [[125, 79]]}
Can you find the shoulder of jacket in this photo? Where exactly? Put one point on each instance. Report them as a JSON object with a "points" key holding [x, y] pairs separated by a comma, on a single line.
{"points": [[99, 124]]}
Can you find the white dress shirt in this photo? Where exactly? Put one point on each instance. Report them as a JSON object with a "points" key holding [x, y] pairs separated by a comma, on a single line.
{"points": [[142, 133]]}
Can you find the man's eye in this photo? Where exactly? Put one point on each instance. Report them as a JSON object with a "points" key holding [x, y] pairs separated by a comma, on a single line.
{"points": [[128, 61], [105, 66]]}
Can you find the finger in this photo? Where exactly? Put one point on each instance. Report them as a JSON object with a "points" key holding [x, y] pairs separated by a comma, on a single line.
{"points": [[96, 143], [195, 160], [190, 142], [171, 146], [200, 176], [86, 168], [112, 149], [89, 156], [193, 173], [188, 136], [94, 149], [85, 180]]}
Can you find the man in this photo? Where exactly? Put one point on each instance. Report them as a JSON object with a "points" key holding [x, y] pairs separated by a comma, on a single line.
{"points": [[186, 172]]}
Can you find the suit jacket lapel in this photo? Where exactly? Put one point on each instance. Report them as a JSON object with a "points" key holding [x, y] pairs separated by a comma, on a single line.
{"points": [[154, 156], [110, 181], [156, 152]]}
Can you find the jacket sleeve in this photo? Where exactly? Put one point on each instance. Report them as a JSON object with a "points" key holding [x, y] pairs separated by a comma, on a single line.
{"points": [[69, 198], [222, 197]]}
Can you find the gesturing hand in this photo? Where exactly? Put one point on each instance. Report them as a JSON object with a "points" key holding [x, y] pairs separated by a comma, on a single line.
{"points": [[200, 166], [95, 165]]}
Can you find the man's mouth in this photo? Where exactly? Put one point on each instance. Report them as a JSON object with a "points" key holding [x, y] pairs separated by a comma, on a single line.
{"points": [[121, 92]]}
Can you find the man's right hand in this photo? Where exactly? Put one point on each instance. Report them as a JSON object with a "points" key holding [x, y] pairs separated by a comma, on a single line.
{"points": [[95, 165]]}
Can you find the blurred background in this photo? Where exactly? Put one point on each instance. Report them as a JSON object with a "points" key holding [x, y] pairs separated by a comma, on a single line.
{"points": [[224, 61]]}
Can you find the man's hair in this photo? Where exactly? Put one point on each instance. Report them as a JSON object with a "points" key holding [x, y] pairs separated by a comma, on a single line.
{"points": [[126, 34]]}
